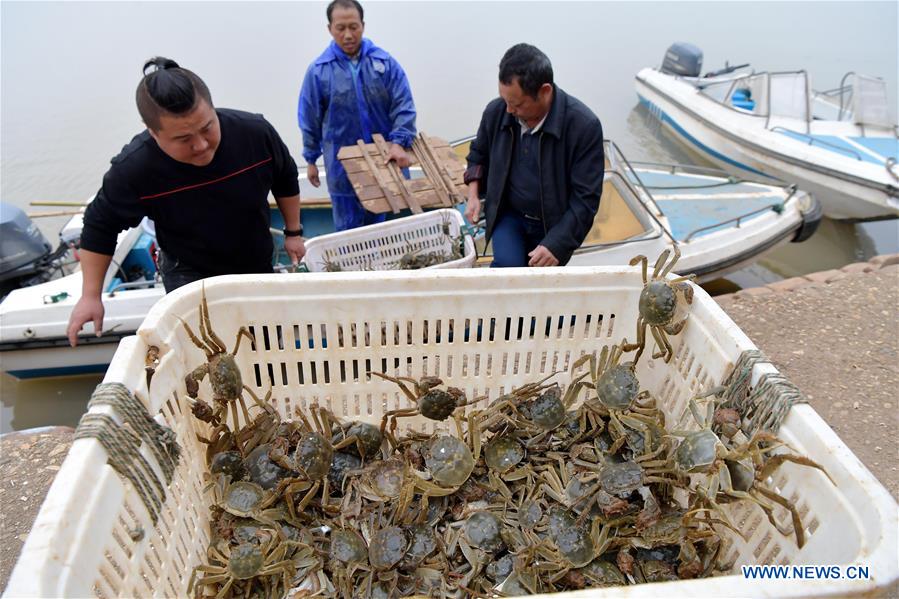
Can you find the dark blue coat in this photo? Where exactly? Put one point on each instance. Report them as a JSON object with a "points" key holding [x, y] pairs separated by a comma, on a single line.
{"points": [[571, 169]]}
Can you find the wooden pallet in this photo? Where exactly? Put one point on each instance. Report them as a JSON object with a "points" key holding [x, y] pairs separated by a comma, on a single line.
{"points": [[382, 188]]}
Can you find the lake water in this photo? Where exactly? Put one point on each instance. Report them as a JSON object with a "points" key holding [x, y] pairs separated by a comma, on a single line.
{"points": [[69, 71]]}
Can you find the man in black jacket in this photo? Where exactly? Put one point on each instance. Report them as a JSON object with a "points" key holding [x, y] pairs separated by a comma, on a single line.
{"points": [[203, 175], [538, 162]]}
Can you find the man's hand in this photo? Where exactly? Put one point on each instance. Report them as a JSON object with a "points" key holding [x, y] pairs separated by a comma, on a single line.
{"points": [[86, 310], [295, 248], [473, 210], [312, 175], [398, 155], [540, 256]]}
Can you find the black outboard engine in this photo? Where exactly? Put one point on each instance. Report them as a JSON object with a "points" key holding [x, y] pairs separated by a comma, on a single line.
{"points": [[682, 59], [26, 257]]}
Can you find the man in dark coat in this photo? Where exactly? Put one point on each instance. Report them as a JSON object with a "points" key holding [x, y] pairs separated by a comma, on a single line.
{"points": [[537, 162]]}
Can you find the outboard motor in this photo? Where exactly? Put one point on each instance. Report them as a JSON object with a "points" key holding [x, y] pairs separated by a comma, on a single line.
{"points": [[683, 60], [26, 257]]}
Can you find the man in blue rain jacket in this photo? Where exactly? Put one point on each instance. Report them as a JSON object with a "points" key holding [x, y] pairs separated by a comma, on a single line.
{"points": [[352, 91]]}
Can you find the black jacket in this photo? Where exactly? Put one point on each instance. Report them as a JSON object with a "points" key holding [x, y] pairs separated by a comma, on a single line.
{"points": [[213, 218], [571, 168]]}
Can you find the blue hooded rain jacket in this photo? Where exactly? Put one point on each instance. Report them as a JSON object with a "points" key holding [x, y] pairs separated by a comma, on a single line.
{"points": [[340, 103]]}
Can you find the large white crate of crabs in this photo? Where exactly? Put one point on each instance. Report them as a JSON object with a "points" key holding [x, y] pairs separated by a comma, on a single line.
{"points": [[317, 337]]}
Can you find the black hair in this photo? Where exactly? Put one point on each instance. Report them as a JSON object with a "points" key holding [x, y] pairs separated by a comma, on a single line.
{"points": [[168, 89], [345, 4], [527, 64]]}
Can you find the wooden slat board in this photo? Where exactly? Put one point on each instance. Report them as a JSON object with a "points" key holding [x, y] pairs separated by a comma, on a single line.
{"points": [[441, 185]]}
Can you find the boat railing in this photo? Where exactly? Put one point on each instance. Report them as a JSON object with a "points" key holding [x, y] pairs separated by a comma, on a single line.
{"points": [[610, 244], [695, 169], [616, 156], [891, 167], [132, 285], [813, 140], [675, 168], [778, 207], [844, 92]]}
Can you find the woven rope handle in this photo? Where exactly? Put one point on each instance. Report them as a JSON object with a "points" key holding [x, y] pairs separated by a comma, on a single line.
{"points": [[122, 442]]}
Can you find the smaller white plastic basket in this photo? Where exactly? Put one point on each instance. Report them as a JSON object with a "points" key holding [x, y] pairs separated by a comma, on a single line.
{"points": [[382, 246]]}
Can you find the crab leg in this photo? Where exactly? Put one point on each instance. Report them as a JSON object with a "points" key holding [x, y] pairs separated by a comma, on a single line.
{"points": [[637, 259], [243, 332], [660, 343], [202, 345], [671, 264], [798, 530], [399, 382], [659, 264], [206, 325], [641, 340]]}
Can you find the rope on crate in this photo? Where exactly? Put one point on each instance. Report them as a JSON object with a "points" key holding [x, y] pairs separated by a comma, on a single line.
{"points": [[769, 402], [122, 443], [160, 439]]}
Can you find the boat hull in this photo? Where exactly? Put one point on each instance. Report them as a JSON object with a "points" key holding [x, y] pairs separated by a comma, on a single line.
{"points": [[24, 361], [842, 196]]}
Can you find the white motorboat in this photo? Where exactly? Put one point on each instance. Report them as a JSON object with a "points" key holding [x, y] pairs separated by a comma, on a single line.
{"points": [[718, 224], [841, 145]]}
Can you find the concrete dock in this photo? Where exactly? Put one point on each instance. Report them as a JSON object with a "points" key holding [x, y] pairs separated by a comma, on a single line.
{"points": [[835, 334]]}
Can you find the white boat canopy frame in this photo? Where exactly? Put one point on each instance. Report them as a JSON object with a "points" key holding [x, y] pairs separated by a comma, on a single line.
{"points": [[788, 95]]}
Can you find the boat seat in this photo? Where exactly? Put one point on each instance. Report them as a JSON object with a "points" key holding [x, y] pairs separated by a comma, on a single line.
{"points": [[742, 98], [614, 221], [139, 264]]}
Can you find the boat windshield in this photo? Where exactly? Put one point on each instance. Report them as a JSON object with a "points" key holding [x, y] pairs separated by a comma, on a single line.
{"points": [[859, 99], [785, 98], [763, 94], [620, 216]]}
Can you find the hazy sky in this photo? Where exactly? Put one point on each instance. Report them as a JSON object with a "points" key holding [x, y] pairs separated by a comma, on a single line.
{"points": [[69, 69]]}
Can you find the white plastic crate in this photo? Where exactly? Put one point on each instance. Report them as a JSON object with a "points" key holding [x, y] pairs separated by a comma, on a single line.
{"points": [[317, 335], [381, 246]]}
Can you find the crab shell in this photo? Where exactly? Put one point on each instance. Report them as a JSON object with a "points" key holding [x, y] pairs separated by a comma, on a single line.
{"points": [[422, 543], [245, 561], [437, 404], [548, 411], [449, 460], [560, 518], [386, 478], [603, 573], [228, 462], [387, 547], [618, 387], [658, 303], [313, 455], [262, 470], [482, 529], [669, 530], [697, 451], [503, 453], [241, 498], [340, 465], [529, 514], [348, 547], [224, 375], [576, 546], [742, 474], [369, 437], [621, 479]]}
